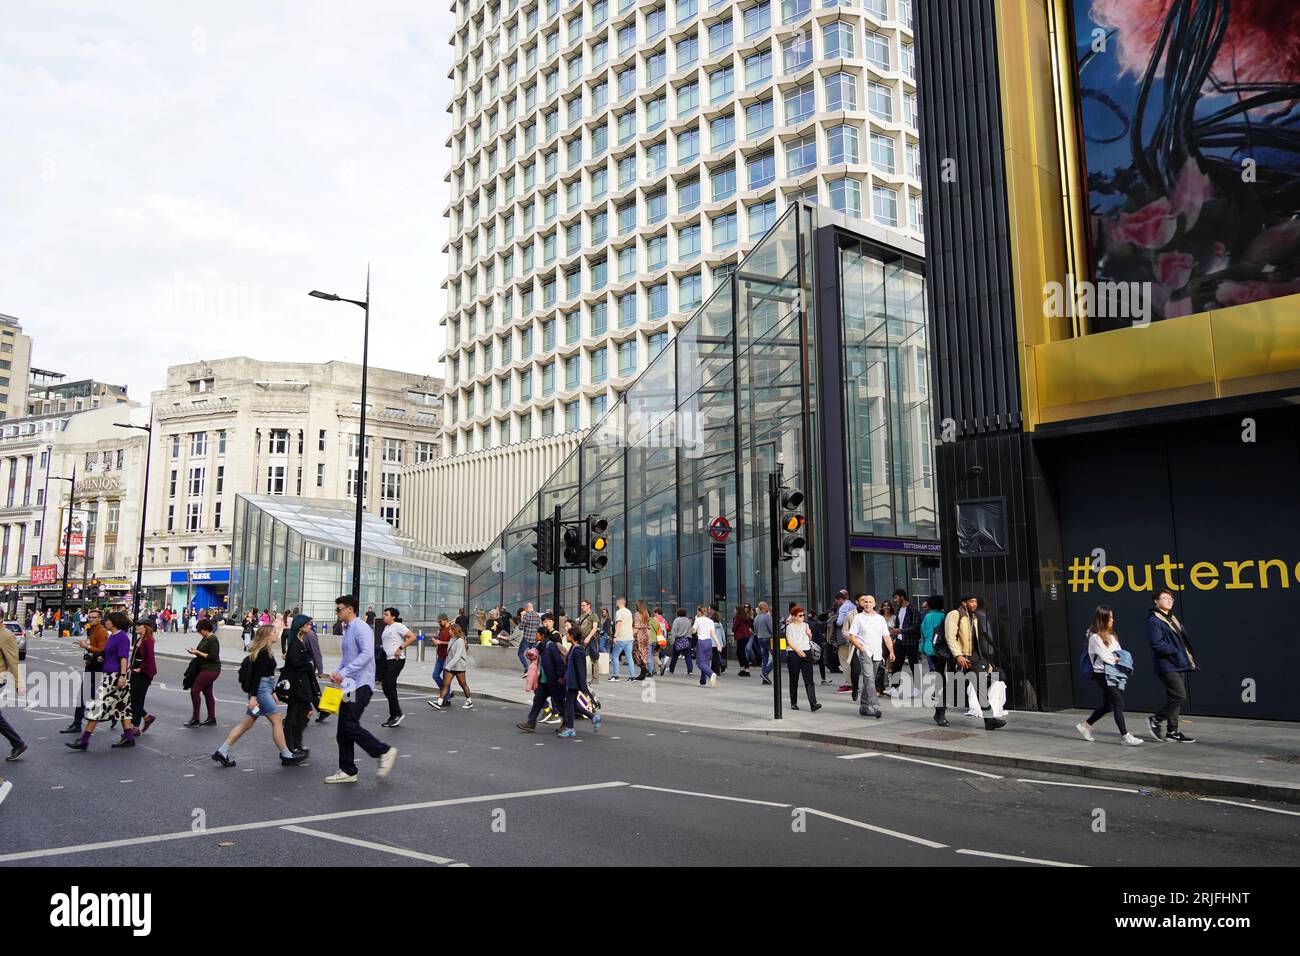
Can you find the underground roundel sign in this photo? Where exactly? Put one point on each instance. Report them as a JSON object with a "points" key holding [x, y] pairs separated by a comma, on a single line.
{"points": [[719, 528]]}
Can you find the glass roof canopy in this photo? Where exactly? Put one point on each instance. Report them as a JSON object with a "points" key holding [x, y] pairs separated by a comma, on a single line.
{"points": [[333, 523]]}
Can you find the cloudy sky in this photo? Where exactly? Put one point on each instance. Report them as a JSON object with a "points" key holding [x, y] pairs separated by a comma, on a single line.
{"points": [[176, 177]]}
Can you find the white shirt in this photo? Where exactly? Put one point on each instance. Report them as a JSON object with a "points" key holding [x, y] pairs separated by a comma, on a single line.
{"points": [[705, 630], [392, 638], [1101, 653], [871, 630], [798, 636], [623, 624]]}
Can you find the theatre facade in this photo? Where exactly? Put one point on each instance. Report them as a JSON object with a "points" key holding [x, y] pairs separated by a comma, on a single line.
{"points": [[815, 350], [1112, 194]]}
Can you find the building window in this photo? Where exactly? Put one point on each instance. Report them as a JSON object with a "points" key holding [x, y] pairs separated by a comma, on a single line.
{"points": [[838, 40], [424, 452], [320, 476], [320, 442], [390, 486], [800, 103], [882, 152], [275, 476], [880, 101], [176, 446], [884, 205], [171, 482], [841, 91], [392, 451], [571, 416], [627, 358], [216, 516], [724, 231], [843, 143], [221, 478], [198, 443], [846, 196], [278, 442], [392, 514], [877, 50], [193, 515], [599, 364], [194, 485], [352, 484]]}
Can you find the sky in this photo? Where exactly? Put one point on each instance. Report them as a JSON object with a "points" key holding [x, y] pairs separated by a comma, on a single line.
{"points": [[176, 177]]}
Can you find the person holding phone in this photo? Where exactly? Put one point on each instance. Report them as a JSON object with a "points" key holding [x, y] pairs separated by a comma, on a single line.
{"points": [[257, 678]]}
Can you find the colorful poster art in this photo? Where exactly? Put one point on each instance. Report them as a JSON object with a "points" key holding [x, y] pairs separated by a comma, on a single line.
{"points": [[1190, 126]]}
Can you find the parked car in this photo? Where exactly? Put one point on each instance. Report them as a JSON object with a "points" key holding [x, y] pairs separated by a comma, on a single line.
{"points": [[20, 633]]}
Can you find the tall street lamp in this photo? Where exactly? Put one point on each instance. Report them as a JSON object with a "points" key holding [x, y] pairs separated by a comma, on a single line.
{"points": [[67, 547], [361, 441], [144, 509]]}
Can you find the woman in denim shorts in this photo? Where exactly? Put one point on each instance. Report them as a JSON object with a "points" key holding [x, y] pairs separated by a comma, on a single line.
{"points": [[257, 678]]}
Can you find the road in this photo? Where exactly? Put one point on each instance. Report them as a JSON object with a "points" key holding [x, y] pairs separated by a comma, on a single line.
{"points": [[469, 789]]}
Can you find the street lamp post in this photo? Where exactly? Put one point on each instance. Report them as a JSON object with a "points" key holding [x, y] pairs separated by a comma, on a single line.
{"points": [[67, 546], [361, 441], [144, 510]]}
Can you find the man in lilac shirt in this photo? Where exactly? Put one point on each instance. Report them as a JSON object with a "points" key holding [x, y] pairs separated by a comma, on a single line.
{"points": [[356, 675]]}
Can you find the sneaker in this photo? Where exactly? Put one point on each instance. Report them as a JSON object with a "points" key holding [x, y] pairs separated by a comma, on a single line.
{"points": [[742, 674], [77, 745], [468, 705], [766, 679], [17, 752], [713, 680], [567, 733], [437, 703], [843, 689], [553, 720], [992, 723], [1180, 737], [387, 723], [527, 728], [814, 707], [222, 759], [794, 706], [341, 777], [386, 761], [297, 758], [1156, 728], [1084, 732], [394, 721], [1128, 740], [595, 723], [613, 680]]}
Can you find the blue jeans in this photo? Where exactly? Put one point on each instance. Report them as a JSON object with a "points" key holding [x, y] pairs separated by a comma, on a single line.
{"points": [[760, 650], [620, 648], [524, 644]]}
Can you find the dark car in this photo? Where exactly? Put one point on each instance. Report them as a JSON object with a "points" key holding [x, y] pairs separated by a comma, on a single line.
{"points": [[21, 635]]}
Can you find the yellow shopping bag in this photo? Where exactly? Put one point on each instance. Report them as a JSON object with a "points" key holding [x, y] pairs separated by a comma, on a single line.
{"points": [[330, 698]]}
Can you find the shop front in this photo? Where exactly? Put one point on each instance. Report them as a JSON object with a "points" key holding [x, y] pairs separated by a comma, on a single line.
{"points": [[200, 590]]}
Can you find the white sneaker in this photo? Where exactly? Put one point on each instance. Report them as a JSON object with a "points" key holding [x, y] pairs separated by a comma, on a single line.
{"points": [[341, 777], [1128, 740], [1084, 732], [468, 705], [713, 680], [386, 761]]}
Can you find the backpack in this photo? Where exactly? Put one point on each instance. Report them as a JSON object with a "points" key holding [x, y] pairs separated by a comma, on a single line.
{"points": [[246, 676], [1085, 666], [941, 648]]}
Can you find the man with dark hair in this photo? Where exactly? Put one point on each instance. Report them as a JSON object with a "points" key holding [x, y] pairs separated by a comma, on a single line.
{"points": [[356, 675], [906, 633], [1173, 659], [96, 638]]}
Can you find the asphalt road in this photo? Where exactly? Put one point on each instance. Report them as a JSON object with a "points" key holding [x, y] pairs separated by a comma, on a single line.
{"points": [[470, 789]]}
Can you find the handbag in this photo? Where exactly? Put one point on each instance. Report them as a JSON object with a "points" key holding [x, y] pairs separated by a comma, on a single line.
{"points": [[814, 652], [330, 699]]}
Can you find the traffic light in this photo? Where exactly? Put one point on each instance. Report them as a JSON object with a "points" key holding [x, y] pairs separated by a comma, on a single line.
{"points": [[544, 559], [792, 523], [597, 543], [575, 552]]}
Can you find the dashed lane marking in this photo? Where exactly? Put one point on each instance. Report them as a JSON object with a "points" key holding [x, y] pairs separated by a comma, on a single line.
{"points": [[862, 756], [1018, 859], [944, 766], [710, 796], [875, 829], [368, 845]]}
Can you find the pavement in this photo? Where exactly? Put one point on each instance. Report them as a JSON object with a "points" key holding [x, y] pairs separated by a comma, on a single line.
{"points": [[469, 789], [1231, 757]]}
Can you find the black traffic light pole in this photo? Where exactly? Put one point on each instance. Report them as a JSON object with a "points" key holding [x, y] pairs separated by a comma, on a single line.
{"points": [[774, 519], [557, 561]]}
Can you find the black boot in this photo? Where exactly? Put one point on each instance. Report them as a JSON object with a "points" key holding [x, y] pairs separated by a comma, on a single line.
{"points": [[939, 717], [993, 723], [72, 728]]}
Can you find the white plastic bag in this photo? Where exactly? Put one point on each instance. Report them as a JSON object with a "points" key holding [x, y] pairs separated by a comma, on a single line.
{"points": [[998, 698]]}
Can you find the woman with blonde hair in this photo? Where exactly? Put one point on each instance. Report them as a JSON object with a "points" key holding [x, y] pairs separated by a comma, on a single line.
{"points": [[641, 640], [257, 678]]}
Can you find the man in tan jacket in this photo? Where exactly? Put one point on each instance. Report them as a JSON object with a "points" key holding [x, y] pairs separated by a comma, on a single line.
{"points": [[9, 655], [961, 631]]}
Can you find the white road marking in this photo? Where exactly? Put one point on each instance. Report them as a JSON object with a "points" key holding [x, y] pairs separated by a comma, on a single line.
{"points": [[59, 717], [315, 818], [862, 756], [189, 775], [869, 826], [1249, 806], [248, 769], [366, 844], [711, 796], [126, 781], [59, 787], [649, 735], [1085, 786], [1018, 859], [944, 766]]}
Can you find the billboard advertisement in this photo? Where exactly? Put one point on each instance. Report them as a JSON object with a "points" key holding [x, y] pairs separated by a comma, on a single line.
{"points": [[75, 544], [45, 573], [1189, 123]]}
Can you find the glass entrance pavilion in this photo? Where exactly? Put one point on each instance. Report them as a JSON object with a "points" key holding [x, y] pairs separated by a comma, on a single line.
{"points": [[813, 352]]}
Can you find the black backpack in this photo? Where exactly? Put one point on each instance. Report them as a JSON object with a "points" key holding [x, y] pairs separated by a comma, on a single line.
{"points": [[246, 676]]}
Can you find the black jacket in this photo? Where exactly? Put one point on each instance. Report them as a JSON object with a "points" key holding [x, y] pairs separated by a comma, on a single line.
{"points": [[300, 671], [910, 629]]}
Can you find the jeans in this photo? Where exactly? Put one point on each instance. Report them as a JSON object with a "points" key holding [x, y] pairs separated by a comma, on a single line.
{"points": [[621, 648], [541, 696], [295, 722], [760, 652], [684, 653], [8, 732], [203, 685], [524, 644], [1175, 683], [351, 733], [869, 702], [1112, 701], [704, 659], [392, 671], [800, 665]]}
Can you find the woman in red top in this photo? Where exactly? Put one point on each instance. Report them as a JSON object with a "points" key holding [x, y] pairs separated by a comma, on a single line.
{"points": [[142, 675], [742, 629]]}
